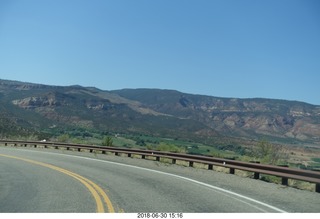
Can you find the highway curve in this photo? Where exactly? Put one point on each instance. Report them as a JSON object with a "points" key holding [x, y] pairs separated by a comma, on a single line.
{"points": [[44, 180]]}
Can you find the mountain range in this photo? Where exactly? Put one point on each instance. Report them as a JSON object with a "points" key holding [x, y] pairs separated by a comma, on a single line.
{"points": [[27, 108]]}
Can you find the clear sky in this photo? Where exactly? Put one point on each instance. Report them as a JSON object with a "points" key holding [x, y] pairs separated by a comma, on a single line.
{"points": [[225, 48]]}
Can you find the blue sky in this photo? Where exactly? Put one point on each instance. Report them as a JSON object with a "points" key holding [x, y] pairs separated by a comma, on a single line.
{"points": [[225, 48]]}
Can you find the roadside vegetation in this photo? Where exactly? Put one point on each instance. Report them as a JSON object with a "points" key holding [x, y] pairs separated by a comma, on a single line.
{"points": [[262, 151]]}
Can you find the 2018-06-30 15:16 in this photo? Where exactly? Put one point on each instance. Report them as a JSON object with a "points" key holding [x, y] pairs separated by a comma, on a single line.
{"points": [[160, 215]]}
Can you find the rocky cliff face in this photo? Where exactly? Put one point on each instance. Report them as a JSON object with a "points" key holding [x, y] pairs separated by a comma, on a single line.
{"points": [[36, 102]]}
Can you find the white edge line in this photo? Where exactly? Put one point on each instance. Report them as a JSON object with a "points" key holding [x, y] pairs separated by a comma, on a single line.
{"points": [[173, 175]]}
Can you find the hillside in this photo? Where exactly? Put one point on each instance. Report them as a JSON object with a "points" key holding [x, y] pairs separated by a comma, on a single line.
{"points": [[41, 107], [27, 107], [282, 120]]}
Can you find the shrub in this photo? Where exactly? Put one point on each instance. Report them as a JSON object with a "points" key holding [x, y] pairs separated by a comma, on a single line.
{"points": [[107, 141]]}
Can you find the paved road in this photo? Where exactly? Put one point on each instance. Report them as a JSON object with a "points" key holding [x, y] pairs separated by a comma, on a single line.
{"points": [[25, 187], [44, 180]]}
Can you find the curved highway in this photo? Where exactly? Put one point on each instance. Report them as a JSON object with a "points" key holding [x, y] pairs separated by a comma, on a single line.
{"points": [[44, 180]]}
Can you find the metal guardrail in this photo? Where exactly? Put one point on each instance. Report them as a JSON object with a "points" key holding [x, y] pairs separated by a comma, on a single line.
{"points": [[284, 172]]}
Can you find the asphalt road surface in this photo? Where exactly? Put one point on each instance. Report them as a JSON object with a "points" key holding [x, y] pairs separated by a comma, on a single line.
{"points": [[48, 180]]}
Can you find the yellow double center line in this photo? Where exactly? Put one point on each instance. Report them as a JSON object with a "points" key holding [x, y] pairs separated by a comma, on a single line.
{"points": [[91, 186]]}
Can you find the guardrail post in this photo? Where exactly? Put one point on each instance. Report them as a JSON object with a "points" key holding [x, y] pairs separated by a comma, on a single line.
{"points": [[157, 158], [143, 156], [25, 145], [103, 152], [91, 150], [56, 147], [129, 155], [79, 149], [256, 175], [210, 167], [6, 144], [318, 187], [35, 145], [174, 161], [116, 153], [231, 170], [191, 164], [284, 181]]}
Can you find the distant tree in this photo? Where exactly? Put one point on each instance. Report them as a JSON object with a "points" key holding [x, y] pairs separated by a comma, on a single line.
{"points": [[170, 148], [107, 141], [77, 141], [42, 136], [63, 138], [269, 153], [140, 142]]}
